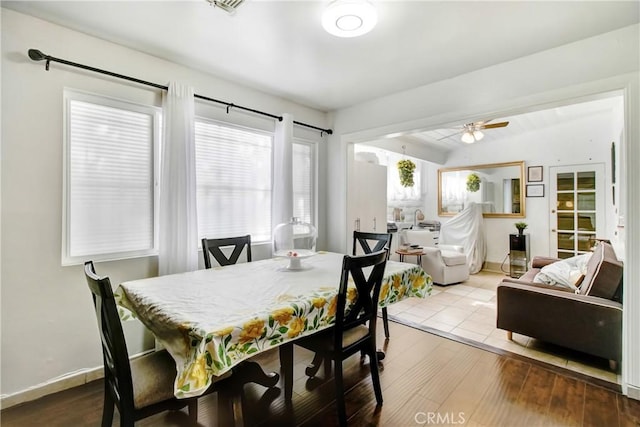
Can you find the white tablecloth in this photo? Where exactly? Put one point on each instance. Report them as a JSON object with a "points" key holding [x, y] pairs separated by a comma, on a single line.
{"points": [[210, 320]]}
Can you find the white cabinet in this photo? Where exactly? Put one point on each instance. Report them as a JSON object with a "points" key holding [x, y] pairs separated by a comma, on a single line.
{"points": [[367, 203]]}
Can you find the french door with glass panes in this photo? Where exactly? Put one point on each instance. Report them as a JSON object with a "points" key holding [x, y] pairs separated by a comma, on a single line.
{"points": [[577, 208]]}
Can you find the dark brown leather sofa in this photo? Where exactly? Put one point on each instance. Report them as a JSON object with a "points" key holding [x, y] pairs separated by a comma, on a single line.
{"points": [[590, 322]]}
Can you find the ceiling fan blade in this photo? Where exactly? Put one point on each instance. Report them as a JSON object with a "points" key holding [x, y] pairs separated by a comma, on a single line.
{"points": [[494, 125], [449, 136]]}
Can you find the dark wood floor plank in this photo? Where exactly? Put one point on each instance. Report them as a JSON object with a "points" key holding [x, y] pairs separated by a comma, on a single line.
{"points": [[495, 406], [598, 404], [423, 374], [469, 393], [629, 411], [448, 378], [567, 402], [533, 401]]}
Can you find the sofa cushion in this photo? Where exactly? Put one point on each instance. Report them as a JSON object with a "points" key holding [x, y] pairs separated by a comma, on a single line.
{"points": [[604, 273], [452, 258]]}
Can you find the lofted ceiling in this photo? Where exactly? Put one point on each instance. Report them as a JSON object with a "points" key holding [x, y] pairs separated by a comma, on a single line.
{"points": [[449, 139], [279, 47]]}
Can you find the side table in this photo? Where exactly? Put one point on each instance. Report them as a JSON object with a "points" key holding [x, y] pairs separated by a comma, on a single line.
{"points": [[405, 252]]}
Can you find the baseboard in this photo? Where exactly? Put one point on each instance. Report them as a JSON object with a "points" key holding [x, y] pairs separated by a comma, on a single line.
{"points": [[633, 392], [51, 387], [494, 267], [56, 385]]}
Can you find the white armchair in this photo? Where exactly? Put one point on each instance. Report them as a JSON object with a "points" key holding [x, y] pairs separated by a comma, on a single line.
{"points": [[446, 264]]}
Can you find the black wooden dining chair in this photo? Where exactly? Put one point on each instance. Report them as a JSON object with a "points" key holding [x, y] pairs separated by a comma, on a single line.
{"points": [[142, 386], [213, 247], [354, 329], [382, 241]]}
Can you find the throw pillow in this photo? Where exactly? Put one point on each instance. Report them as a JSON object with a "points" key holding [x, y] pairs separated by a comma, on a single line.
{"points": [[567, 273]]}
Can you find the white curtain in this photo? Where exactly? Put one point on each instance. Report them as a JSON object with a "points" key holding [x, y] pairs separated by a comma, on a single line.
{"points": [[282, 208], [178, 235]]}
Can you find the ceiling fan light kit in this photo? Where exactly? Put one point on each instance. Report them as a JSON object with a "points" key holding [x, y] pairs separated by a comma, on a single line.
{"points": [[349, 18], [471, 131], [468, 138]]}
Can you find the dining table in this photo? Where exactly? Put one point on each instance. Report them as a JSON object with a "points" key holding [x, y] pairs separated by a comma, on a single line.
{"points": [[211, 320]]}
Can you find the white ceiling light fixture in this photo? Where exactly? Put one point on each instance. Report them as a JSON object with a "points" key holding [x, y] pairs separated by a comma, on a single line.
{"points": [[471, 134], [468, 138], [349, 18]]}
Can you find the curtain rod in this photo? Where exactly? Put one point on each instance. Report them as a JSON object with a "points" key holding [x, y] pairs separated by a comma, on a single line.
{"points": [[36, 55]]}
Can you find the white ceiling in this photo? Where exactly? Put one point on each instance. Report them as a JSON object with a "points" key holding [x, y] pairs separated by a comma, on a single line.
{"points": [[449, 139], [280, 47]]}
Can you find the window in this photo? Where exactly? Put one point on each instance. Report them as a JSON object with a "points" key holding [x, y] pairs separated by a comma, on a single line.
{"points": [[109, 176], [303, 181], [233, 175]]}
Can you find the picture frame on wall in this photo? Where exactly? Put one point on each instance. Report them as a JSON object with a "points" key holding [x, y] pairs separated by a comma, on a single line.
{"points": [[535, 190], [534, 174]]}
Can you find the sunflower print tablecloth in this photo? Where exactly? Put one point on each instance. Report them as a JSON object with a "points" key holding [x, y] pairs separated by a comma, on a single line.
{"points": [[210, 320]]}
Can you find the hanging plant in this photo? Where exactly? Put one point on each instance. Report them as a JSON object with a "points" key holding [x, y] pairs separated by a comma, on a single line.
{"points": [[473, 182], [406, 168]]}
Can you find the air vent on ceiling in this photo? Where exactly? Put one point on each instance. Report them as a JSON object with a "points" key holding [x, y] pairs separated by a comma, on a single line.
{"points": [[227, 5]]}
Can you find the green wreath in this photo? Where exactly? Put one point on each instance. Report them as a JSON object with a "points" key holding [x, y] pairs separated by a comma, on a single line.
{"points": [[473, 182]]}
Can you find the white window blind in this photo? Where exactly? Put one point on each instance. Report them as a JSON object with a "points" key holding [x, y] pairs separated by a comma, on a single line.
{"points": [[233, 174], [303, 181], [109, 179]]}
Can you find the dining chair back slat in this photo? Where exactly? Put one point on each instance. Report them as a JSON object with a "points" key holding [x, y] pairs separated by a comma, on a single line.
{"points": [[382, 241], [213, 247], [363, 310], [379, 240]]}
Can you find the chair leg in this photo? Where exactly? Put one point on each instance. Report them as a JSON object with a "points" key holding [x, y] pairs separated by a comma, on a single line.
{"points": [[192, 407], [107, 408], [286, 367], [385, 322], [340, 403], [375, 374], [327, 368]]}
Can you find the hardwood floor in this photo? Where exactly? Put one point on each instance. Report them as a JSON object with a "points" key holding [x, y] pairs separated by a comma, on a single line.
{"points": [[426, 380]]}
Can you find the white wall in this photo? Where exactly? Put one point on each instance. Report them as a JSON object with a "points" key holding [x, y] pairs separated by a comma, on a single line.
{"points": [[48, 326], [557, 75]]}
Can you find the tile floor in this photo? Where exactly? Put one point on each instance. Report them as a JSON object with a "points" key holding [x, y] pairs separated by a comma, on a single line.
{"points": [[468, 310]]}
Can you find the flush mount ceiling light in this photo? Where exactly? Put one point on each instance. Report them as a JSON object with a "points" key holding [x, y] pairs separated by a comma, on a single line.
{"points": [[349, 18]]}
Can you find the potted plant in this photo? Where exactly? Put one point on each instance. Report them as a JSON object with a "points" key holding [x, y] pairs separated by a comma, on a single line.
{"points": [[521, 226], [406, 168], [473, 182]]}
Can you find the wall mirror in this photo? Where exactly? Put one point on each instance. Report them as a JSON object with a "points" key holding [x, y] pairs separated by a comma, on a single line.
{"points": [[497, 187]]}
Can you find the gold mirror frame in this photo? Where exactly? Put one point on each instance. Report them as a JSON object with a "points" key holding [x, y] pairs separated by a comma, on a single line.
{"points": [[472, 168]]}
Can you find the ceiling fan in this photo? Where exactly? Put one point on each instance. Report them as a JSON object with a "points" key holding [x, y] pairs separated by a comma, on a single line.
{"points": [[471, 132]]}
